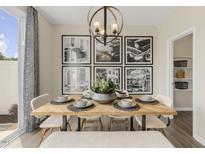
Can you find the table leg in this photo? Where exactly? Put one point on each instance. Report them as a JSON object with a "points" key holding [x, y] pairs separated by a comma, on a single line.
{"points": [[78, 129], [64, 125], [143, 122], [131, 124]]}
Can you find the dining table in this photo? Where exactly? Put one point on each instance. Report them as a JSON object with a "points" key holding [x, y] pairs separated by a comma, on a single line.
{"points": [[99, 109]]}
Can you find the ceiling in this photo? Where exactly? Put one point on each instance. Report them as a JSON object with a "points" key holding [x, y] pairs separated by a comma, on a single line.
{"points": [[132, 15]]}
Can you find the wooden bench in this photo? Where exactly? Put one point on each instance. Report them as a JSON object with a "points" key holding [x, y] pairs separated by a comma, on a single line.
{"points": [[135, 139]]}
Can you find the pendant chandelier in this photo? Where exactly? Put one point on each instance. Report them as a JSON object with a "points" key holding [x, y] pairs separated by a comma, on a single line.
{"points": [[105, 23]]}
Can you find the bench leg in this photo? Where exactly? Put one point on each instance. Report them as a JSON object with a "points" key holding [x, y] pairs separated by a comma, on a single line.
{"points": [[43, 132], [78, 128], [131, 124], [64, 125], [143, 122]]}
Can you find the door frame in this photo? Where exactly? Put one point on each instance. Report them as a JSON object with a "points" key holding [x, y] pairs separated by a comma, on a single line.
{"points": [[21, 17], [170, 80]]}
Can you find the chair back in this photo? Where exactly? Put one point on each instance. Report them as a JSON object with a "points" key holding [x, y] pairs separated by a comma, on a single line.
{"points": [[39, 101], [167, 101]]}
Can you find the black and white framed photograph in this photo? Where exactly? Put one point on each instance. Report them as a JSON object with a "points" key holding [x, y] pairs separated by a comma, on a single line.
{"points": [[76, 49], [109, 54], [139, 50], [139, 79], [75, 79], [109, 73]]}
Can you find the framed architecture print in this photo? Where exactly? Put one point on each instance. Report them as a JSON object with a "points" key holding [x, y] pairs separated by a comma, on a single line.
{"points": [[75, 79], [139, 80], [109, 54], [76, 49], [109, 73], [138, 50]]}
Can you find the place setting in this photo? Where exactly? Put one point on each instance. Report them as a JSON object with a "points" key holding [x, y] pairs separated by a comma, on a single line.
{"points": [[81, 105], [62, 100], [126, 105], [146, 99], [122, 94]]}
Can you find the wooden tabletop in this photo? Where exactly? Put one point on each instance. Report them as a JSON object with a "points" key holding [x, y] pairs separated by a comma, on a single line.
{"points": [[104, 109]]}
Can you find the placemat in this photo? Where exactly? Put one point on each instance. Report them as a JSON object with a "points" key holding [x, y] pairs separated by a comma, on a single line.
{"points": [[60, 103], [75, 109], [130, 97], [151, 103], [137, 107]]}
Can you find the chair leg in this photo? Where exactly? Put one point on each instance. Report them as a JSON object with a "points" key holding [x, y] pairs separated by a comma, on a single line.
{"points": [[69, 126], [128, 124], [110, 126], [163, 132], [83, 122], [43, 132], [101, 125], [51, 130]]}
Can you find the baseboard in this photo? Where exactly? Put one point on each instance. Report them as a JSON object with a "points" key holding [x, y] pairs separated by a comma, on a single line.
{"points": [[199, 139], [4, 112], [183, 108]]}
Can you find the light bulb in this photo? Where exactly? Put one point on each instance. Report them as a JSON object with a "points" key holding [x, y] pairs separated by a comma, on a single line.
{"points": [[102, 32], [114, 28], [97, 24]]}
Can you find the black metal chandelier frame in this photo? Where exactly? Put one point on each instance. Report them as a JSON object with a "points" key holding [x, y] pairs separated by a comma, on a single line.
{"points": [[105, 35]]}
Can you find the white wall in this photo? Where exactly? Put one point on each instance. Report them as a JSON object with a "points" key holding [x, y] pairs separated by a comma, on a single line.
{"points": [[181, 20], [45, 53], [8, 85], [183, 47], [59, 30]]}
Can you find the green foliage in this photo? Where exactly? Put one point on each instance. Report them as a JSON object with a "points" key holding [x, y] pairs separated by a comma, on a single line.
{"points": [[2, 57], [104, 87]]}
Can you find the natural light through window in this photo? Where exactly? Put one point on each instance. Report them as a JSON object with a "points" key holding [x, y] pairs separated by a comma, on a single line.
{"points": [[8, 36]]}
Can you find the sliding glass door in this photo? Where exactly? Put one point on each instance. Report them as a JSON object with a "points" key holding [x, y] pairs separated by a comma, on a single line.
{"points": [[11, 51]]}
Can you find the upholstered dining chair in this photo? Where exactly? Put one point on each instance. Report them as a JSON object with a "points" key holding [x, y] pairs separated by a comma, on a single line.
{"points": [[155, 122], [88, 119], [119, 119], [50, 122]]}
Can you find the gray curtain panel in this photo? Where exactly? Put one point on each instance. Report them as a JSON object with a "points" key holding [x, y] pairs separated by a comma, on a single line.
{"points": [[31, 66]]}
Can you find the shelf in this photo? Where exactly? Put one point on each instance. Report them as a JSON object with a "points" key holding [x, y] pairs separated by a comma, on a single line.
{"points": [[181, 79], [183, 90], [186, 57], [182, 67]]}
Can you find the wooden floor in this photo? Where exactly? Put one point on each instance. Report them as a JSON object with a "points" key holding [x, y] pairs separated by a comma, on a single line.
{"points": [[179, 133]]}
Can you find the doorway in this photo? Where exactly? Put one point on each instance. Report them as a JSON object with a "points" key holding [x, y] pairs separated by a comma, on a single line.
{"points": [[180, 81]]}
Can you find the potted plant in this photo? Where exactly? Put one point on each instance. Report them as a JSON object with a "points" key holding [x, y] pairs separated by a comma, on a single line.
{"points": [[103, 91]]}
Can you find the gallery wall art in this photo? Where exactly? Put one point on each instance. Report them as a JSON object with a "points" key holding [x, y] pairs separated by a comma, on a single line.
{"points": [[109, 73], [127, 62], [76, 49], [109, 54], [75, 79], [138, 79], [138, 50]]}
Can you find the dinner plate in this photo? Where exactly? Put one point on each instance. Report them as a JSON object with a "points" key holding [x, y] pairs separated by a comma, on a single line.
{"points": [[122, 94], [60, 101], [89, 103], [121, 104], [147, 101], [56, 101]]}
